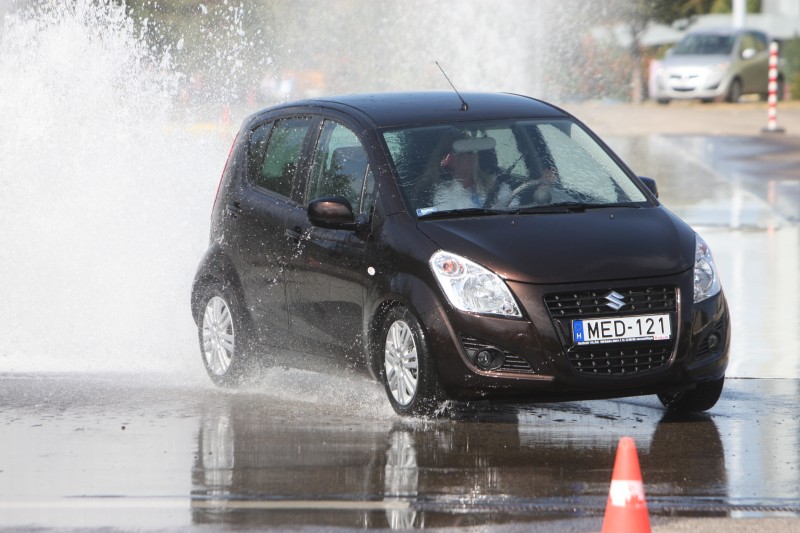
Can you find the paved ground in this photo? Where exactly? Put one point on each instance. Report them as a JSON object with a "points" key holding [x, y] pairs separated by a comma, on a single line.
{"points": [[687, 118], [308, 452]]}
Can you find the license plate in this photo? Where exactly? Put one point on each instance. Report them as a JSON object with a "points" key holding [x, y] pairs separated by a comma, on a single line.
{"points": [[621, 329]]}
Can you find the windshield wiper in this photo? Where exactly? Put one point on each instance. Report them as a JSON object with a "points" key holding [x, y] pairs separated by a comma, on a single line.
{"points": [[569, 207], [467, 212], [630, 205]]}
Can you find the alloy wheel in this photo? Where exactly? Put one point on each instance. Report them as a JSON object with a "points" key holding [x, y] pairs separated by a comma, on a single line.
{"points": [[218, 336], [401, 362]]}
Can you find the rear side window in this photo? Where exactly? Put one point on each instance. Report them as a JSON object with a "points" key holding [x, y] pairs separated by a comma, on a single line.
{"points": [[753, 42], [274, 154]]}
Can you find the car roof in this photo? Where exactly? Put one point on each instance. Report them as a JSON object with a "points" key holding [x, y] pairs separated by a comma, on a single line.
{"points": [[386, 110]]}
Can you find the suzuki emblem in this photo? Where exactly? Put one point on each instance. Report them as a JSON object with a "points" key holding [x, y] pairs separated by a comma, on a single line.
{"points": [[615, 300]]}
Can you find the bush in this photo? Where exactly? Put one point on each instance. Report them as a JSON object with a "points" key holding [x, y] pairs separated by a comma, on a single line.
{"points": [[790, 65]]}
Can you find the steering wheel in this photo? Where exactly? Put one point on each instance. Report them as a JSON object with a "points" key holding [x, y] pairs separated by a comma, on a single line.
{"points": [[536, 191], [512, 181]]}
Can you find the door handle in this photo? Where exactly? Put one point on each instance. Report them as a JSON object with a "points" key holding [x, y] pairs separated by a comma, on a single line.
{"points": [[234, 209], [295, 233], [298, 233]]}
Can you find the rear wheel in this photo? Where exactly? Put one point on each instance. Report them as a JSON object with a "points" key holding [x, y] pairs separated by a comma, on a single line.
{"points": [[407, 371], [226, 341], [701, 398]]}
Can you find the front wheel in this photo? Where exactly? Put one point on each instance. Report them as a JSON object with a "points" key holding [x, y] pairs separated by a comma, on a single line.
{"points": [[408, 371], [735, 91], [702, 398], [226, 342]]}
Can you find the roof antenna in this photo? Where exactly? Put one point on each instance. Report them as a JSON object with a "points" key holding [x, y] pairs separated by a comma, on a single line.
{"points": [[464, 106]]}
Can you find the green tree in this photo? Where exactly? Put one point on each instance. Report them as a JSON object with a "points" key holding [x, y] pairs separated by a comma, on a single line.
{"points": [[791, 66]]}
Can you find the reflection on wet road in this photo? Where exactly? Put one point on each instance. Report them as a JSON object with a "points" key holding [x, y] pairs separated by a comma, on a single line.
{"points": [[112, 451]]}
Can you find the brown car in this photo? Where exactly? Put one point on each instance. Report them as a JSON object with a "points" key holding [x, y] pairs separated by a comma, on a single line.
{"points": [[487, 248]]}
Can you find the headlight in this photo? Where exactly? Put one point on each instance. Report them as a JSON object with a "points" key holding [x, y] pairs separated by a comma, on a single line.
{"points": [[472, 288], [706, 280], [716, 73]]}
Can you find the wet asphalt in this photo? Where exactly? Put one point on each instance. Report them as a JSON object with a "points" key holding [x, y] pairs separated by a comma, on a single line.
{"points": [[308, 451], [123, 452]]}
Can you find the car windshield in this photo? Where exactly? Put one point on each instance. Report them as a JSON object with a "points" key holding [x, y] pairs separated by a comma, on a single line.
{"points": [[506, 166], [704, 44]]}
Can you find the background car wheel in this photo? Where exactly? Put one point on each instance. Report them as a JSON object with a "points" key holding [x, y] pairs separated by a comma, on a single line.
{"points": [[701, 398], [226, 341], [407, 370], [735, 91]]}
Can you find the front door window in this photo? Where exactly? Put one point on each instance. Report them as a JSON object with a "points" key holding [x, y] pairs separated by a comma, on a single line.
{"points": [[341, 168]]}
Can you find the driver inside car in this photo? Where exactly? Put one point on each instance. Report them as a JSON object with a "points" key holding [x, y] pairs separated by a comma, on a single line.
{"points": [[462, 182], [463, 173]]}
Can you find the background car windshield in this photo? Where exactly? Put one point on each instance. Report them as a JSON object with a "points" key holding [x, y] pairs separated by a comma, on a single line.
{"points": [[505, 165], [699, 44]]}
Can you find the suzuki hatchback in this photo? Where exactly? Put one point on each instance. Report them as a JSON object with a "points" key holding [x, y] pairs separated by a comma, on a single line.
{"points": [[487, 248]]}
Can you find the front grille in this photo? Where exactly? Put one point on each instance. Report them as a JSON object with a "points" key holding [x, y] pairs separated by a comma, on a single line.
{"points": [[593, 303], [614, 359], [511, 363], [617, 361]]}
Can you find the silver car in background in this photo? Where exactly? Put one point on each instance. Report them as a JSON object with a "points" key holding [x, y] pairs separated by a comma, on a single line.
{"points": [[714, 64]]}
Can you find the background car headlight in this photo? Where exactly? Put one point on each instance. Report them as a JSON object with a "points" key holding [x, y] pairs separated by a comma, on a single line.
{"points": [[716, 73], [706, 280], [472, 288]]}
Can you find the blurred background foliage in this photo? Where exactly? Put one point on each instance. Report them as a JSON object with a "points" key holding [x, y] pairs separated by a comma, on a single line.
{"points": [[269, 50]]}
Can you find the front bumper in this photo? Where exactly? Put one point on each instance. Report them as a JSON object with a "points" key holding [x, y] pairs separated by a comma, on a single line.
{"points": [[690, 94], [687, 86], [540, 361]]}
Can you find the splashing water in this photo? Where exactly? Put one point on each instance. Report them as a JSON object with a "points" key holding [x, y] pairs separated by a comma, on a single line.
{"points": [[104, 196], [106, 187]]}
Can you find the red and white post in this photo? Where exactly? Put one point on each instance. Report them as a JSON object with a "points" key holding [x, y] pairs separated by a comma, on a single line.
{"points": [[772, 100]]}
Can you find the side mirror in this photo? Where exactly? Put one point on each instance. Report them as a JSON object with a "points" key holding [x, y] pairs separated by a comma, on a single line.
{"points": [[748, 53], [650, 183], [333, 212]]}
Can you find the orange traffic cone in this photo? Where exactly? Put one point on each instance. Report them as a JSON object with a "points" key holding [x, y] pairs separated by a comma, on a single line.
{"points": [[626, 510]]}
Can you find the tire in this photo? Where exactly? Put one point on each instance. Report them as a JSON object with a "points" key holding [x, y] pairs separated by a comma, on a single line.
{"points": [[735, 91], [226, 340], [663, 101], [701, 398], [407, 370]]}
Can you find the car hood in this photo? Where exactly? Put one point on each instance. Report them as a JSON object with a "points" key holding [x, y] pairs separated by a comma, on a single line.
{"points": [[693, 61], [595, 245]]}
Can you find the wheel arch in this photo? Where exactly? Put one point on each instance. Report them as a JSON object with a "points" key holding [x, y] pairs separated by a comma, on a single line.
{"points": [[401, 290], [215, 269]]}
